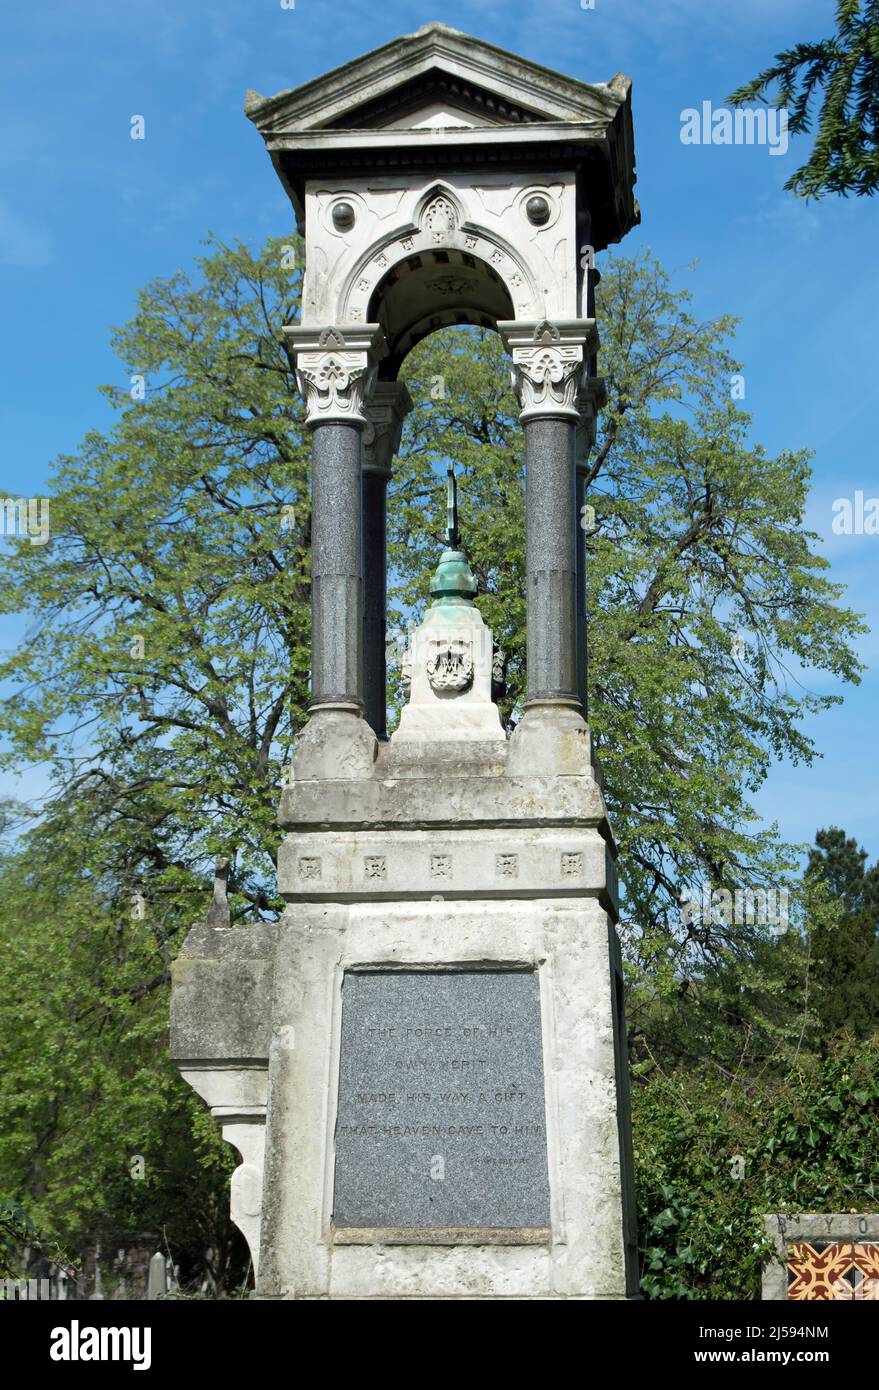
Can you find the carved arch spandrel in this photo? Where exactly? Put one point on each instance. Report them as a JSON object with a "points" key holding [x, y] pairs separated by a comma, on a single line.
{"points": [[395, 250]]}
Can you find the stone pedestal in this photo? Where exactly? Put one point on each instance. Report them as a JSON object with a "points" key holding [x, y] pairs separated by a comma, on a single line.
{"points": [[431, 866]]}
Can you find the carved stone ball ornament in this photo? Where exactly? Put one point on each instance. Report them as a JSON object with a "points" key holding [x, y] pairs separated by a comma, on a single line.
{"points": [[538, 210], [343, 217]]}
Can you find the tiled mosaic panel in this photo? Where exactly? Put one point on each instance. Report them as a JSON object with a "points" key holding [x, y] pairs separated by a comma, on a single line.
{"points": [[833, 1270]]}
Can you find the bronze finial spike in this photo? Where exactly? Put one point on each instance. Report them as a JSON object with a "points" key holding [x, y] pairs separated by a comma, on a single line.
{"points": [[452, 511]]}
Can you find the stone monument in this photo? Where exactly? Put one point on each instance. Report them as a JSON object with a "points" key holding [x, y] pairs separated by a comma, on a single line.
{"points": [[822, 1256], [423, 1064]]}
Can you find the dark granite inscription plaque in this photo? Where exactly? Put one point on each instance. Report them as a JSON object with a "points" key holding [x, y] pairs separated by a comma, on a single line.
{"points": [[441, 1120]]}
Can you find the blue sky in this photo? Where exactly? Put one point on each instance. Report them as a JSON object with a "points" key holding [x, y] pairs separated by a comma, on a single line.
{"points": [[87, 215]]}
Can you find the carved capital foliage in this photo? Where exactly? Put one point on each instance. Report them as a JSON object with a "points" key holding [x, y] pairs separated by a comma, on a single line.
{"points": [[547, 380], [336, 369], [334, 384], [550, 364]]}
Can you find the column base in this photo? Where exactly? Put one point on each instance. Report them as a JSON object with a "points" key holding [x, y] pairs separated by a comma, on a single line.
{"points": [[336, 742], [552, 739]]}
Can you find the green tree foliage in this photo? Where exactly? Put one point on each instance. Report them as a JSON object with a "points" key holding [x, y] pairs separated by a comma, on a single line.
{"points": [[705, 590], [842, 72], [98, 1135], [846, 950], [167, 663], [18, 1235], [165, 674], [808, 1141]]}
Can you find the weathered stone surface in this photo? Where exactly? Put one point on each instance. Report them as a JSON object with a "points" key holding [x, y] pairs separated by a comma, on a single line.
{"points": [[335, 743], [571, 948], [439, 795], [551, 741], [441, 1118], [222, 986], [309, 132], [454, 855], [345, 865], [222, 979]]}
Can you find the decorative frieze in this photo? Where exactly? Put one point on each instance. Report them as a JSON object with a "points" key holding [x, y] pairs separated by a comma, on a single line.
{"points": [[405, 864]]}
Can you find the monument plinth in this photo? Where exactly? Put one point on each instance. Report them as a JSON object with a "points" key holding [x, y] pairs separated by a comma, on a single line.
{"points": [[423, 1063]]}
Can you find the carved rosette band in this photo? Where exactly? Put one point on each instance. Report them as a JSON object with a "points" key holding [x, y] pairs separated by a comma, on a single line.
{"points": [[336, 369], [549, 365]]}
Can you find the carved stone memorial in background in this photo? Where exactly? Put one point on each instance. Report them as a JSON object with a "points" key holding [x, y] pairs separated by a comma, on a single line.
{"points": [[823, 1257], [423, 1063]]}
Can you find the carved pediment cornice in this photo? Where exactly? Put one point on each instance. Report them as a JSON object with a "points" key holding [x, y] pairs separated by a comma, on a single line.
{"points": [[355, 93]]}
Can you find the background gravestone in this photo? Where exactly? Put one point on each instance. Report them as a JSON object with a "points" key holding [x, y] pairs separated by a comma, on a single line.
{"points": [[828, 1256]]}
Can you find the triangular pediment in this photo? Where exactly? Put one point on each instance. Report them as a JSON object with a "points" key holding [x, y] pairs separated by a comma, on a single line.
{"points": [[435, 99], [417, 80]]}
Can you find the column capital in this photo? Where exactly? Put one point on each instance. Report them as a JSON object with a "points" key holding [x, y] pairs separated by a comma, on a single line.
{"points": [[385, 409], [336, 366], [590, 399], [550, 362]]}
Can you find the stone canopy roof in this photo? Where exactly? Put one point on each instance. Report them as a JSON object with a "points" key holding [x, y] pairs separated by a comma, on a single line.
{"points": [[386, 110]]}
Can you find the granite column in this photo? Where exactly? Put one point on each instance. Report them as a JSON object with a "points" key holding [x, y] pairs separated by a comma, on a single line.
{"points": [[385, 410], [336, 368]]}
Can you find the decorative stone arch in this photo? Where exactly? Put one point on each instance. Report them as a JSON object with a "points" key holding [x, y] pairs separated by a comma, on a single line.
{"points": [[440, 180], [465, 290], [530, 281]]}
